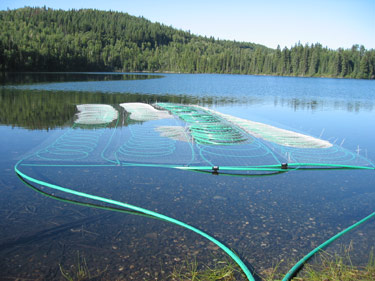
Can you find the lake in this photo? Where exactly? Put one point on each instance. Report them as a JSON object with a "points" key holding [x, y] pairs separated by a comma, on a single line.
{"points": [[264, 219]]}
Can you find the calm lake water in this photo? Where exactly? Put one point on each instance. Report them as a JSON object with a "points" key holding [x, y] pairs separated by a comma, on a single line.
{"points": [[263, 219]]}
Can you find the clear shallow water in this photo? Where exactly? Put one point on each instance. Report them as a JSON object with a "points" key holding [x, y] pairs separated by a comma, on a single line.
{"points": [[263, 219]]}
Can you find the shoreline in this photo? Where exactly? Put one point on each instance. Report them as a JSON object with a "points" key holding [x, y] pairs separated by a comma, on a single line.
{"points": [[118, 72]]}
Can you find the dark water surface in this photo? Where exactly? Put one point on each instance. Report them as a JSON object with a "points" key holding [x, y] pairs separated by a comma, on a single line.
{"points": [[263, 219]]}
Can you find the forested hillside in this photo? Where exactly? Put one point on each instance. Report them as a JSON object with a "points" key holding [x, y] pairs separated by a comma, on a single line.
{"points": [[41, 39]]}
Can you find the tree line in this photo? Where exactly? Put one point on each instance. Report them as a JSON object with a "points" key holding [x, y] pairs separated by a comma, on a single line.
{"points": [[43, 39]]}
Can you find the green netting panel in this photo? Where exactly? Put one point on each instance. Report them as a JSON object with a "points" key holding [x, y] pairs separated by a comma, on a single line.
{"points": [[186, 137], [296, 148], [225, 140], [275, 135]]}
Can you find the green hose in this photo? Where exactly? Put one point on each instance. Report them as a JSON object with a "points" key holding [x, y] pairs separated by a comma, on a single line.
{"points": [[332, 165], [144, 211], [293, 271]]}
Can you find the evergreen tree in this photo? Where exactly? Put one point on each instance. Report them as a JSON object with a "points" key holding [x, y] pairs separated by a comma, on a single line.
{"points": [[364, 67]]}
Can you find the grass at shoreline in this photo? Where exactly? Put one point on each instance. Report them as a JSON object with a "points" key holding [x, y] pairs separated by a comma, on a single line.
{"points": [[326, 267], [225, 270], [331, 267]]}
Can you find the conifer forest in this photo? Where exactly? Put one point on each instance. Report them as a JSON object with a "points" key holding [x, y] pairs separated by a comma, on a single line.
{"points": [[43, 39]]}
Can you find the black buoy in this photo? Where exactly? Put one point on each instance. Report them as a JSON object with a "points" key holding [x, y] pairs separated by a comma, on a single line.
{"points": [[215, 170], [284, 166]]}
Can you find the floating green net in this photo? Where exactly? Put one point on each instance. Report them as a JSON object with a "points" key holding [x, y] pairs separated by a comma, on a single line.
{"points": [[187, 137]]}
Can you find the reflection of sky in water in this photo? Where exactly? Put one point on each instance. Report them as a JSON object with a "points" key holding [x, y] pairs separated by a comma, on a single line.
{"points": [[263, 219]]}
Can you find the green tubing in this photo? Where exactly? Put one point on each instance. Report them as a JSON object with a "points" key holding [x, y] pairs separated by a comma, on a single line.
{"points": [[144, 211], [107, 145], [292, 166], [293, 271], [234, 168], [331, 165], [224, 168], [120, 210]]}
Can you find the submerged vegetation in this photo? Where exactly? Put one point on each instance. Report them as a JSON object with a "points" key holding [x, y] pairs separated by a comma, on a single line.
{"points": [[80, 271], [42, 39]]}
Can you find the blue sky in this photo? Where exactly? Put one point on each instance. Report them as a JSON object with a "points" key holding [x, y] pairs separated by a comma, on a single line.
{"points": [[333, 23]]}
